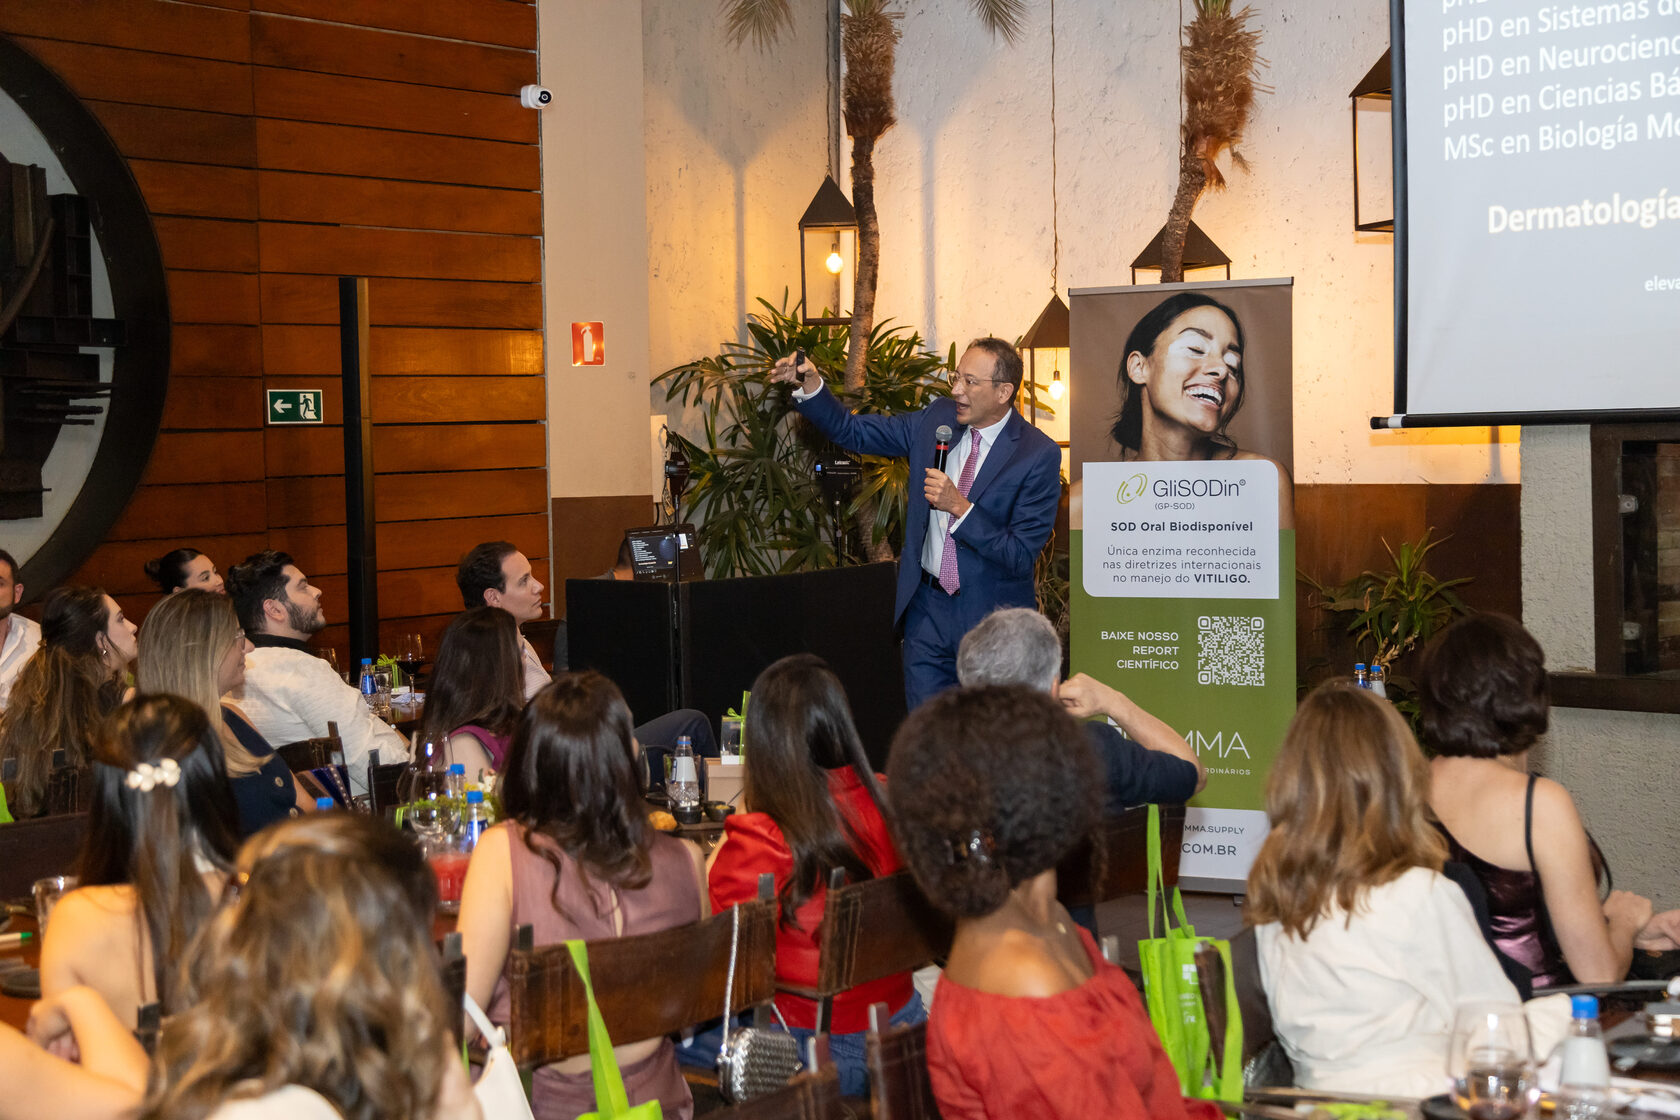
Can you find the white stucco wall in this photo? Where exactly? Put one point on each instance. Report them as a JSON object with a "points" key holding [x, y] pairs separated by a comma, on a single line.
{"points": [[1620, 766]]}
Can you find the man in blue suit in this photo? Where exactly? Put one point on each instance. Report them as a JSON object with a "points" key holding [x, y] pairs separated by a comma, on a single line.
{"points": [[972, 539]]}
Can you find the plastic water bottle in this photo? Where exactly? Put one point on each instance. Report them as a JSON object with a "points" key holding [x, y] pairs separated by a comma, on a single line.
{"points": [[474, 821], [684, 784], [369, 686], [1584, 1072], [1359, 677], [458, 783], [1377, 680]]}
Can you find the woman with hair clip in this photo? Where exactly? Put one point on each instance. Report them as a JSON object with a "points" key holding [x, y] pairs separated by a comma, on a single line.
{"points": [[1366, 949], [314, 991], [813, 804], [184, 569], [192, 646], [477, 689], [990, 788], [576, 858], [62, 694], [161, 836], [1485, 702]]}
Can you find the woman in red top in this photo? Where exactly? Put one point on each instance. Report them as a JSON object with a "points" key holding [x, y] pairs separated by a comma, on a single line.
{"points": [[814, 805], [990, 788]]}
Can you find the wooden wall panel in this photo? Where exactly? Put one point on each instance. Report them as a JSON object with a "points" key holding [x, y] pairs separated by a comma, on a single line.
{"points": [[280, 144]]}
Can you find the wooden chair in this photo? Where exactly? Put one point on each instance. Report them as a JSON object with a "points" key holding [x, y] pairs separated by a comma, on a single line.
{"points": [[382, 781], [68, 788], [312, 754], [35, 849], [869, 930], [899, 1087], [1125, 868], [646, 985], [453, 965]]}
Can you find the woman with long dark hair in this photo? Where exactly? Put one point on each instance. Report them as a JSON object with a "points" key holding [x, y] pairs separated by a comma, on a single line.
{"points": [[314, 991], [192, 647], [161, 837], [576, 858], [1366, 949], [185, 569], [62, 695], [477, 688], [813, 805]]}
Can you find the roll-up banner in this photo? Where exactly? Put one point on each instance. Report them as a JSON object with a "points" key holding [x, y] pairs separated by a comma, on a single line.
{"points": [[1183, 558]]}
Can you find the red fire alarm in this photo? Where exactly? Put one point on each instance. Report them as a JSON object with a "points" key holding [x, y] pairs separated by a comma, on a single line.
{"points": [[589, 344]]}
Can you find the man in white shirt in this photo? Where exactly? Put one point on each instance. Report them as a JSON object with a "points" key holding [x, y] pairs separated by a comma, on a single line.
{"points": [[20, 637], [289, 693]]}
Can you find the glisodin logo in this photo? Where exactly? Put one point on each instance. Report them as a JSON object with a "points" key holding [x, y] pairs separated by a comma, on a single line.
{"points": [[1132, 489]]}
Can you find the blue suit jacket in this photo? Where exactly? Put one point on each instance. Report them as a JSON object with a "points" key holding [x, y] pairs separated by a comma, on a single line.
{"points": [[1015, 495]]}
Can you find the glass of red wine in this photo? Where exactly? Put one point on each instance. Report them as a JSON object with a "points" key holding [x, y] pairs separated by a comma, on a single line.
{"points": [[1491, 1062], [410, 656]]}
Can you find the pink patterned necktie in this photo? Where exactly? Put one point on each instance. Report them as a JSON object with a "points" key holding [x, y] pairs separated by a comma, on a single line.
{"points": [[948, 559]]}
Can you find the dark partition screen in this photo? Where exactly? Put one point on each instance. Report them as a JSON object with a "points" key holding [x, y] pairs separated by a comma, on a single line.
{"points": [[726, 631]]}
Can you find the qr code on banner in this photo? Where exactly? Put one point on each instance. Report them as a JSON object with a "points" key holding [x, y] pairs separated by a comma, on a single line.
{"points": [[1231, 649]]}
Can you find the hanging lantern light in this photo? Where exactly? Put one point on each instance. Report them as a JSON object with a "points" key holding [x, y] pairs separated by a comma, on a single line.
{"points": [[1044, 351], [1373, 146], [827, 257]]}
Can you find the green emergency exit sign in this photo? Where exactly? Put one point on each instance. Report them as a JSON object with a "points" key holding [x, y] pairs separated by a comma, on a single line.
{"points": [[294, 406]]}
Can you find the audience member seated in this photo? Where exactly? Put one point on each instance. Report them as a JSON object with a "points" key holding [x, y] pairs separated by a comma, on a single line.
{"points": [[990, 788], [77, 1062], [496, 574], [1147, 762], [477, 690], [161, 837], [577, 858], [185, 569], [314, 992], [289, 694], [812, 805], [20, 637], [63, 694], [192, 647], [1484, 697], [1366, 949]]}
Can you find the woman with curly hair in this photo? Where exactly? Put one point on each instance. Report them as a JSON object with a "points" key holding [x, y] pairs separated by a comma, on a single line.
{"points": [[477, 689], [813, 804], [62, 694], [576, 858], [990, 788], [314, 992], [161, 837], [1366, 949]]}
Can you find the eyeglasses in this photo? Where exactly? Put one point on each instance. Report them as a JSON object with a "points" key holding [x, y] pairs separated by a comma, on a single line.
{"points": [[973, 383]]}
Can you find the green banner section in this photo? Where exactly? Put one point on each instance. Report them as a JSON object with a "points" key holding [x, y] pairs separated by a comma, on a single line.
{"points": [[1220, 671]]}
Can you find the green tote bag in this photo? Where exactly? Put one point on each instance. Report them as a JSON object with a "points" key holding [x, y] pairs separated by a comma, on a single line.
{"points": [[611, 1103]]}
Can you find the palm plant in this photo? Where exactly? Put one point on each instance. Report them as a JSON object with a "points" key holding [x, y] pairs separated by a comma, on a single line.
{"points": [[752, 489], [1221, 77], [869, 38]]}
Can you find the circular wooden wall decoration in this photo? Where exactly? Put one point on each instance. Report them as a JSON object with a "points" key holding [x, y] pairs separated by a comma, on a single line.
{"points": [[84, 327]]}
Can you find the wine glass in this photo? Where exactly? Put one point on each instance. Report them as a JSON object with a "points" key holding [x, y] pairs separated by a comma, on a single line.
{"points": [[410, 656], [1491, 1062]]}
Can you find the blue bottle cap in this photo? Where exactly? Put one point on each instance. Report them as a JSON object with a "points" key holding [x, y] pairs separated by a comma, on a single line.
{"points": [[367, 661], [474, 796], [457, 768], [1583, 1007], [323, 803]]}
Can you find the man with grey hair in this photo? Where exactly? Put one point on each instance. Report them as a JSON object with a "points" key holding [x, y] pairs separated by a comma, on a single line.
{"points": [[1148, 762]]}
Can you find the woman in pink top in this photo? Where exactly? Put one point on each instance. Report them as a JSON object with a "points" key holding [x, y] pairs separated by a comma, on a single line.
{"points": [[990, 788], [478, 689]]}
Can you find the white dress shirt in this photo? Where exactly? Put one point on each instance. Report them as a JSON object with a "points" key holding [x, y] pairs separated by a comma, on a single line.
{"points": [[23, 638], [940, 523], [535, 675], [289, 694], [1365, 1005]]}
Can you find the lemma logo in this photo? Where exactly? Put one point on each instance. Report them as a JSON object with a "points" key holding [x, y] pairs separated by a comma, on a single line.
{"points": [[1132, 489]]}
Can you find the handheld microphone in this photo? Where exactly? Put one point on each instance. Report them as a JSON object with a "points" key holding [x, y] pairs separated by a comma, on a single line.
{"points": [[941, 446]]}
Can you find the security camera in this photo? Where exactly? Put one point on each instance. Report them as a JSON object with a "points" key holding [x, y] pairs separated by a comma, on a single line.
{"points": [[534, 97]]}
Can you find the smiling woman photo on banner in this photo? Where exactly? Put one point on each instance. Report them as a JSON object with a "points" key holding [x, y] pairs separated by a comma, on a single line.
{"points": [[1181, 379]]}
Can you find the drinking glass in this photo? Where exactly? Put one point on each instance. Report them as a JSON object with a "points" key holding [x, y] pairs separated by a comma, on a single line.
{"points": [[1491, 1061], [428, 806], [410, 656], [47, 893]]}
